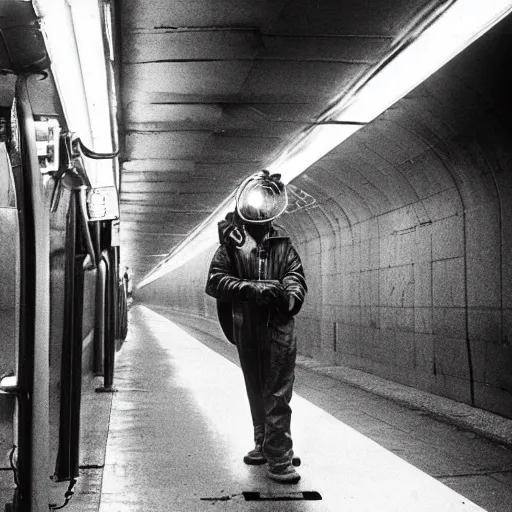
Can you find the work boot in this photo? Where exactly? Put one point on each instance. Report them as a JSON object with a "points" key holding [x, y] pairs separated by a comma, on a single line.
{"points": [[285, 474], [255, 457]]}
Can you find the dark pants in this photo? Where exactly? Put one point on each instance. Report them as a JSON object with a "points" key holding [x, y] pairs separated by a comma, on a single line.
{"points": [[267, 355]]}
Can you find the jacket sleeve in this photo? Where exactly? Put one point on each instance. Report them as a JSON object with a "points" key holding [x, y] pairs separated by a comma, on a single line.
{"points": [[222, 283], [294, 281]]}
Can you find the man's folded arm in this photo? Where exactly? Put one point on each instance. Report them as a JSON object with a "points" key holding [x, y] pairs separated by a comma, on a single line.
{"points": [[294, 281], [223, 285]]}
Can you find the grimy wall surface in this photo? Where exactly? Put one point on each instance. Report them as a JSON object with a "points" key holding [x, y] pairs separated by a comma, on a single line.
{"points": [[407, 248]]}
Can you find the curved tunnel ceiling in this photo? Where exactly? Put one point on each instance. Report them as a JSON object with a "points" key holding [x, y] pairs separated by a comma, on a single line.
{"points": [[213, 91]]}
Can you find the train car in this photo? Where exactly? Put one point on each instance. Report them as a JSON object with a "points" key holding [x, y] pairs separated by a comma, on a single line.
{"points": [[62, 299]]}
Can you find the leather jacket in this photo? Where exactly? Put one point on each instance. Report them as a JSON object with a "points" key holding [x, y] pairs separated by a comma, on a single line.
{"points": [[244, 274]]}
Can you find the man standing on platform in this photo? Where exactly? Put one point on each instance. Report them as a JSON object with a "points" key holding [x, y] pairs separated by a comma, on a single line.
{"points": [[257, 274]]}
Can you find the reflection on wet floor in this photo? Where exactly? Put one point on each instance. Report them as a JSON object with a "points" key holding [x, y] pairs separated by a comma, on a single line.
{"points": [[180, 426]]}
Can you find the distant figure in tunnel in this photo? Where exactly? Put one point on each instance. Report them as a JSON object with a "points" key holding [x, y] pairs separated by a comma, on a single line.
{"points": [[127, 282], [257, 274]]}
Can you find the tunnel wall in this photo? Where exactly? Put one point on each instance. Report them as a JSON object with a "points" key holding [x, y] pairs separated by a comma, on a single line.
{"points": [[407, 248], [183, 289]]}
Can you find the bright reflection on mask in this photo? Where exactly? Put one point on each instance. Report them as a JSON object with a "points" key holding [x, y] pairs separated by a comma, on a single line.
{"points": [[255, 199], [260, 199]]}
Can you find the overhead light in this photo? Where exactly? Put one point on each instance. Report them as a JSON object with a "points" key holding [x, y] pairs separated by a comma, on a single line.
{"points": [[89, 40], [74, 42], [202, 237], [315, 144], [445, 34], [290, 165], [439, 38], [57, 27], [460, 25]]}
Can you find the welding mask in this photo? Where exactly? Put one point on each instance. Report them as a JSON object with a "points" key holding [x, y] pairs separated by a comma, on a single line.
{"points": [[261, 198]]}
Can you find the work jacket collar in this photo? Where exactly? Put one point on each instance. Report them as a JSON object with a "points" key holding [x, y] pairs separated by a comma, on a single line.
{"points": [[277, 231]]}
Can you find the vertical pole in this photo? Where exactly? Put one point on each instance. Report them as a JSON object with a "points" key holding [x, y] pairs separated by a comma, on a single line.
{"points": [[109, 334], [109, 350], [99, 331], [116, 295]]}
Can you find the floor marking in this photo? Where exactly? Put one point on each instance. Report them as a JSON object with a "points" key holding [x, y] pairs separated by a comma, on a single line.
{"points": [[291, 496]]}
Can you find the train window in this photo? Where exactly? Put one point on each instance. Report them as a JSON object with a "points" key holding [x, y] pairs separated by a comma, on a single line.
{"points": [[7, 191], [9, 265]]}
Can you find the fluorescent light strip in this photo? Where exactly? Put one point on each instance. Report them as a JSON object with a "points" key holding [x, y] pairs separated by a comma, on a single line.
{"points": [[57, 27], [460, 25], [89, 40], [75, 44], [203, 236], [322, 139]]}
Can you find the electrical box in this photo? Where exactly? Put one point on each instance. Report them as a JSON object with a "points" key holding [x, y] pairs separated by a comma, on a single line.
{"points": [[103, 203], [47, 142]]}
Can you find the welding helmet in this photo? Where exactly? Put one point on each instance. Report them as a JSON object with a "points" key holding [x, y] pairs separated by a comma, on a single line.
{"points": [[261, 198]]}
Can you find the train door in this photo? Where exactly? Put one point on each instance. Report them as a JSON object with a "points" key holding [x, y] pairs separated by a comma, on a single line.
{"points": [[9, 313], [25, 246], [68, 262]]}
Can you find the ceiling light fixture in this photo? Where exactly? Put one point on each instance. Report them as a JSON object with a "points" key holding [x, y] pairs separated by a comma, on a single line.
{"points": [[435, 41], [74, 41]]}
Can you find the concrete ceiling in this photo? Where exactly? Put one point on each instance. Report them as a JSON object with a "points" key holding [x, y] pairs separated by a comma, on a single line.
{"points": [[214, 90]]}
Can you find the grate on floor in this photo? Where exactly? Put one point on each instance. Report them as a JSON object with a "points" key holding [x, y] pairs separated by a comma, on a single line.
{"points": [[289, 496]]}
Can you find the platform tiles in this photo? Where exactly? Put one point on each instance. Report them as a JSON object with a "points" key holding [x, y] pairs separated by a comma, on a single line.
{"points": [[180, 425]]}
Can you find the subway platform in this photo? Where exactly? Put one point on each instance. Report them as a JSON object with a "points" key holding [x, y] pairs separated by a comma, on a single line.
{"points": [[180, 425]]}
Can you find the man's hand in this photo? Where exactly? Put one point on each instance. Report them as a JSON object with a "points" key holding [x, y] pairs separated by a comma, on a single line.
{"points": [[269, 291], [274, 294]]}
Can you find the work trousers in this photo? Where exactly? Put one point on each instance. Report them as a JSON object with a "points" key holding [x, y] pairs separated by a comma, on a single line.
{"points": [[267, 356]]}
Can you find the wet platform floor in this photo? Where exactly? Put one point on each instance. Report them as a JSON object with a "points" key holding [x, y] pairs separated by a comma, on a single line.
{"points": [[180, 425]]}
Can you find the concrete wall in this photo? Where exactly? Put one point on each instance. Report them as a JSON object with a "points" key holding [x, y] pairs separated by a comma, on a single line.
{"points": [[183, 289], [407, 249]]}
